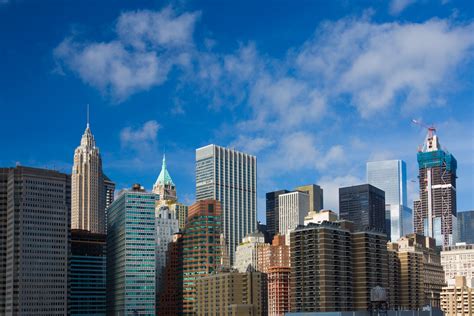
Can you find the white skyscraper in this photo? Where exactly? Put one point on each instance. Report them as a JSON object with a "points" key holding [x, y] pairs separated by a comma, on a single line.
{"points": [[390, 176], [230, 177], [294, 207], [167, 225], [88, 196]]}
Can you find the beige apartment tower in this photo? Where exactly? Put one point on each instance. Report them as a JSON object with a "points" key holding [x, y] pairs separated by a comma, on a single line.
{"points": [[231, 293], [458, 299], [91, 190]]}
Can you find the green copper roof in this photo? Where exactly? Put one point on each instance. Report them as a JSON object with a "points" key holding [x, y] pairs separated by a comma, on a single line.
{"points": [[164, 177]]}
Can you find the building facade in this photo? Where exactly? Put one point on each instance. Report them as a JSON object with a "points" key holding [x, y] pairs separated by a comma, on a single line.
{"points": [[458, 260], [364, 205], [88, 273], [167, 224], [171, 292], [316, 198], [458, 299], [406, 278], [321, 267], [35, 211], [391, 177], [131, 253], [230, 177], [433, 273], [231, 293], [320, 216], [278, 281], [466, 226], [92, 191], [272, 211], [201, 248], [247, 251], [276, 254], [435, 212], [294, 206]]}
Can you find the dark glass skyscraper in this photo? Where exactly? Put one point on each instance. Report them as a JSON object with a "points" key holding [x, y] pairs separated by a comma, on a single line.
{"points": [[272, 211], [466, 227], [87, 274], [364, 205], [34, 213]]}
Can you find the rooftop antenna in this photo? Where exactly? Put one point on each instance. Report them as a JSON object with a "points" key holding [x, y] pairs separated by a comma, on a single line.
{"points": [[87, 115]]}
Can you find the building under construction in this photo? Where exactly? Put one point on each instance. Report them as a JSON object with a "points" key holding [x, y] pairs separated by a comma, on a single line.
{"points": [[435, 211]]}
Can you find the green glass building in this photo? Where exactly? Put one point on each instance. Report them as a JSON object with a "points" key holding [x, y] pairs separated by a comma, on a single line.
{"points": [[131, 253]]}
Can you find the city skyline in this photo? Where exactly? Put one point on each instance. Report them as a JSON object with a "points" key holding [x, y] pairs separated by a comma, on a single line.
{"points": [[134, 126]]}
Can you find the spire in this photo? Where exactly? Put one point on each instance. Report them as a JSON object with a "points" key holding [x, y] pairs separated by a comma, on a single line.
{"points": [[164, 178], [87, 126]]}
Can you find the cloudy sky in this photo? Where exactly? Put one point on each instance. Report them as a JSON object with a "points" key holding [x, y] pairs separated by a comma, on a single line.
{"points": [[314, 89]]}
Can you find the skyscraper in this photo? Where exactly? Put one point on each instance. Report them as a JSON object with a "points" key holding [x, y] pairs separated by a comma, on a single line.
{"points": [[364, 205], [131, 253], [435, 211], [87, 274], [167, 225], [458, 260], [466, 227], [391, 177], [272, 211], [247, 251], [92, 191], [202, 251], [294, 206], [230, 177], [316, 202], [34, 252], [164, 185]]}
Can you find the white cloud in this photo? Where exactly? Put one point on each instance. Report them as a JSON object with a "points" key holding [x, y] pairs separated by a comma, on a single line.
{"points": [[148, 45], [378, 65], [142, 139], [251, 145], [397, 6]]}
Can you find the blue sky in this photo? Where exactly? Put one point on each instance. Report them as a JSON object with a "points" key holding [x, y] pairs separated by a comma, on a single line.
{"points": [[314, 89]]}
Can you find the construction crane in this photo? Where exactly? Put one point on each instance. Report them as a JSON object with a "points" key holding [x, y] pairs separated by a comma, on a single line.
{"points": [[431, 129]]}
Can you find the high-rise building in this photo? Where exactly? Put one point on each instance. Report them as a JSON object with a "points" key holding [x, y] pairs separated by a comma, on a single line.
{"points": [[406, 278], [391, 177], [466, 227], [230, 177], [247, 251], [433, 274], [34, 209], [201, 247], [321, 267], [92, 191], [369, 265], [131, 253], [458, 260], [435, 212], [458, 299], [320, 216], [316, 201], [171, 292], [272, 211], [167, 225], [294, 206], [278, 282], [338, 265], [364, 205], [276, 254], [87, 274], [231, 293]]}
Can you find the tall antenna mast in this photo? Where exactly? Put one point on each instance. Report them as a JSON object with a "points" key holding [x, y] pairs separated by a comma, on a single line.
{"points": [[87, 115]]}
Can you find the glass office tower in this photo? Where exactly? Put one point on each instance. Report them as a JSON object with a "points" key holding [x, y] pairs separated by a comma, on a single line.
{"points": [[391, 177], [131, 246], [230, 177]]}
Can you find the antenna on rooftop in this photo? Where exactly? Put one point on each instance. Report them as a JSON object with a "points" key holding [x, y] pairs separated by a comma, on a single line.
{"points": [[87, 115]]}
